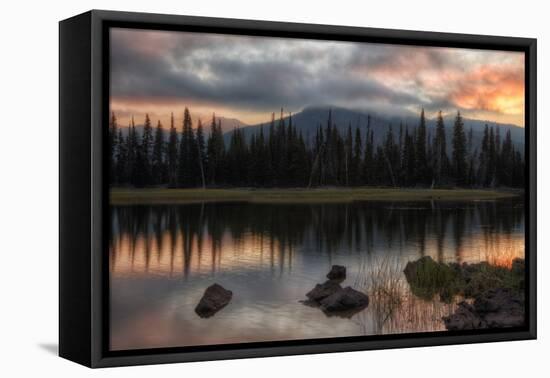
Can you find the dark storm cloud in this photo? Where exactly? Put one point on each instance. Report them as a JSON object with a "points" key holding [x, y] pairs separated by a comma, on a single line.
{"points": [[251, 72], [256, 74]]}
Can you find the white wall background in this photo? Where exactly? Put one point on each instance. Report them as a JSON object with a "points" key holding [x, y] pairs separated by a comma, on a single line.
{"points": [[29, 143]]}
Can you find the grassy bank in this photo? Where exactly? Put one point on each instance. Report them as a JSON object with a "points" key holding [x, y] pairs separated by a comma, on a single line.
{"points": [[169, 196]]}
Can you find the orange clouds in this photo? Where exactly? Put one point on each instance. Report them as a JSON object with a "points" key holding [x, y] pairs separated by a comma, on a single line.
{"points": [[492, 88]]}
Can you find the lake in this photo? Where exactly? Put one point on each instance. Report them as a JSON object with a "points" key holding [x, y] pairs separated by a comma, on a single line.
{"points": [[163, 257]]}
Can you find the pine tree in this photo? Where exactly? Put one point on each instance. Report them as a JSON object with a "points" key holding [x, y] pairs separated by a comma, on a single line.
{"points": [[201, 153], [317, 158], [121, 159], [237, 156], [258, 156], [140, 167], [186, 164], [518, 169], [158, 163], [113, 147], [172, 153], [348, 154], [492, 158], [357, 158], [390, 155], [131, 160], [332, 158], [408, 159], [215, 152], [368, 161], [459, 151], [147, 151], [507, 159], [280, 153], [421, 163], [441, 161], [471, 157]]}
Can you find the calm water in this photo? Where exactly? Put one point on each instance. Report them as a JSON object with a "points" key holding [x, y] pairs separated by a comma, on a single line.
{"points": [[163, 257]]}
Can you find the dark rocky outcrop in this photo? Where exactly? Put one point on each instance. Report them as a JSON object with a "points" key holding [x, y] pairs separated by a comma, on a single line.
{"points": [[334, 300], [213, 300], [497, 291], [501, 308], [495, 308], [321, 291], [344, 300], [337, 272], [465, 317]]}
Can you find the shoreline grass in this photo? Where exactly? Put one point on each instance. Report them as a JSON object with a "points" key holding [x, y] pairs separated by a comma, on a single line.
{"points": [[127, 196]]}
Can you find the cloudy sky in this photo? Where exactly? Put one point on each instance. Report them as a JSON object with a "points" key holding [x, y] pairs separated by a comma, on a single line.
{"points": [[247, 78]]}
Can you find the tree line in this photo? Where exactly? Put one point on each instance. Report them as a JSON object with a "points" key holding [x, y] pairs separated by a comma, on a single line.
{"points": [[279, 156]]}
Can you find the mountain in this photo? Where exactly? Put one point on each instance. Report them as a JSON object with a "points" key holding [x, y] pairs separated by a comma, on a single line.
{"points": [[228, 124], [309, 120]]}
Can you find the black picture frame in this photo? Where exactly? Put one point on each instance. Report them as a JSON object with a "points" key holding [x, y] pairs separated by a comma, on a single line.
{"points": [[83, 195]]}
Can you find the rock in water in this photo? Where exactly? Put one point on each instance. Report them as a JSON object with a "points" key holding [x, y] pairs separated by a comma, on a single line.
{"points": [[501, 308], [337, 272], [495, 308], [213, 300], [465, 317], [344, 300], [321, 291]]}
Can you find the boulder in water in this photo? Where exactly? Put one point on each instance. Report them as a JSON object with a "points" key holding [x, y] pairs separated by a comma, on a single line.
{"points": [[465, 317], [495, 308], [337, 272], [213, 300], [321, 291], [344, 300]]}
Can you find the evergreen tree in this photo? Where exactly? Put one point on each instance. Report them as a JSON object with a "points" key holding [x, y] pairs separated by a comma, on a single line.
{"points": [[483, 171], [172, 153], [421, 163], [507, 159], [215, 152], [271, 149], [113, 146], [459, 151], [140, 167], [158, 163], [131, 161], [441, 161], [518, 169], [471, 156], [408, 157], [201, 153], [357, 158], [259, 159], [147, 151], [280, 152], [492, 159], [391, 158], [348, 155], [121, 159], [186, 162], [237, 156], [368, 161], [332, 157]]}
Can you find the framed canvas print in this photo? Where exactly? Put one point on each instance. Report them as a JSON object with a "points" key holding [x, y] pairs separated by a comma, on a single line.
{"points": [[234, 188]]}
